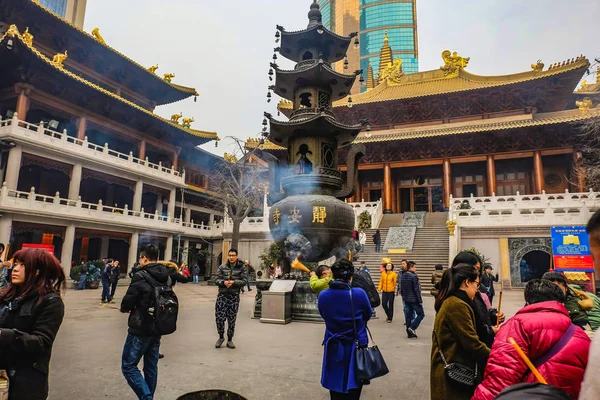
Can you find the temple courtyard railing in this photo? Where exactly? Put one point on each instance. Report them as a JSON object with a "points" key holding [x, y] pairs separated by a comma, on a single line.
{"points": [[38, 136], [32, 203]]}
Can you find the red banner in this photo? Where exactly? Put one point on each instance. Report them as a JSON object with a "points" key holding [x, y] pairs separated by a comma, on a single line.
{"points": [[48, 247], [574, 263]]}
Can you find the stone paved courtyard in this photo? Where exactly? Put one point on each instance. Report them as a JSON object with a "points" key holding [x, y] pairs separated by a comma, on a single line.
{"points": [[270, 362]]}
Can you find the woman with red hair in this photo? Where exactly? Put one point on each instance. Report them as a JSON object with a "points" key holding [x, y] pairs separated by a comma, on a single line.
{"points": [[31, 312]]}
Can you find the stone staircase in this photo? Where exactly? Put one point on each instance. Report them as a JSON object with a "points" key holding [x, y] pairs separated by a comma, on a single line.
{"points": [[430, 247]]}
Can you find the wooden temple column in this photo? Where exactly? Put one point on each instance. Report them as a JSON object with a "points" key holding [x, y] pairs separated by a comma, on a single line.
{"points": [[578, 172], [538, 172], [387, 188], [176, 158], [491, 175], [81, 127], [394, 206], [22, 106], [358, 192], [447, 175], [142, 150]]}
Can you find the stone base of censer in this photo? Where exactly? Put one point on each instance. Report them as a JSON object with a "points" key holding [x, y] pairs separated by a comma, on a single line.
{"points": [[304, 301]]}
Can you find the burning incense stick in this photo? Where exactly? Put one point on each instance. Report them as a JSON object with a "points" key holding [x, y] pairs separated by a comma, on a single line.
{"points": [[528, 362]]}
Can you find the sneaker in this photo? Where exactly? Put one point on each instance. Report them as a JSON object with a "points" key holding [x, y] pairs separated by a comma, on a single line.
{"points": [[230, 344], [219, 343], [411, 333]]}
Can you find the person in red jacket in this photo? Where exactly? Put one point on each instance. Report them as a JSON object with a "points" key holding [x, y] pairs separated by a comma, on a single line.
{"points": [[537, 328]]}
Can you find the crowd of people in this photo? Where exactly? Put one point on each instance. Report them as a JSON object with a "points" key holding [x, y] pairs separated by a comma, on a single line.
{"points": [[543, 352]]}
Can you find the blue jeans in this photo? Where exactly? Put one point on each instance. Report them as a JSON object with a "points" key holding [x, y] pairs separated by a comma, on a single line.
{"points": [[106, 291], [195, 278], [409, 314], [136, 347], [414, 308], [81, 284]]}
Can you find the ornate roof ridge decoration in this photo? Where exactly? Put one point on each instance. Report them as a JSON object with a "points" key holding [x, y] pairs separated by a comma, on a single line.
{"points": [[283, 31], [13, 32], [587, 88], [453, 63], [541, 119], [253, 143], [302, 120], [433, 82], [184, 89]]}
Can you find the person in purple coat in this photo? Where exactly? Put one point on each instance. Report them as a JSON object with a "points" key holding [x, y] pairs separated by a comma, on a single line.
{"points": [[337, 374]]}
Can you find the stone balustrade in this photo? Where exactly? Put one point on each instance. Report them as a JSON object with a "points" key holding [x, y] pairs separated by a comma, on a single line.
{"points": [[524, 210], [37, 135], [32, 203], [374, 208]]}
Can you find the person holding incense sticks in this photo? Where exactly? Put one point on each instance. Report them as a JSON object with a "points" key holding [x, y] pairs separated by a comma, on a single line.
{"points": [[544, 332]]}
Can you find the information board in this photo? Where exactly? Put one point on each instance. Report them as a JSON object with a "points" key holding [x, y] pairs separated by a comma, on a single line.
{"points": [[571, 249]]}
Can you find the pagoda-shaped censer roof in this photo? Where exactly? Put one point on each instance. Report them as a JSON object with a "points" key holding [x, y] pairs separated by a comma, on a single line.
{"points": [[333, 47], [322, 122], [315, 72]]}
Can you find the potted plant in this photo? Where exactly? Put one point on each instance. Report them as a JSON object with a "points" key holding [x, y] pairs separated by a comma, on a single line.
{"points": [[364, 220]]}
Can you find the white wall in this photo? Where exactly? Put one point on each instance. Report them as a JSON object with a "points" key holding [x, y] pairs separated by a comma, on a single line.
{"points": [[490, 248]]}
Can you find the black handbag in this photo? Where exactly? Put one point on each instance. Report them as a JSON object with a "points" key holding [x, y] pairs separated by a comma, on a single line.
{"points": [[369, 362], [458, 374]]}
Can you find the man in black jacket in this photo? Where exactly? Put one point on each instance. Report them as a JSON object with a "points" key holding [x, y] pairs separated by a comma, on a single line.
{"points": [[231, 278], [410, 290], [142, 340]]}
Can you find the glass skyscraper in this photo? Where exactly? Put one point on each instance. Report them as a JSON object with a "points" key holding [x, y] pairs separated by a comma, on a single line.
{"points": [[371, 18], [56, 6]]}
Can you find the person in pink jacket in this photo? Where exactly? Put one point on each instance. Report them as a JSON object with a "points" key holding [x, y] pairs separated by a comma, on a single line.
{"points": [[545, 333]]}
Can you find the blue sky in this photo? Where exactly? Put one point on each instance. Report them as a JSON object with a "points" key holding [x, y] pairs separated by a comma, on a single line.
{"points": [[223, 47]]}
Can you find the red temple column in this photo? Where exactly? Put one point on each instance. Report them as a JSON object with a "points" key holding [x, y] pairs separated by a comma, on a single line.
{"points": [[22, 105], [387, 188], [491, 175], [447, 182], [538, 172], [142, 151], [81, 127]]}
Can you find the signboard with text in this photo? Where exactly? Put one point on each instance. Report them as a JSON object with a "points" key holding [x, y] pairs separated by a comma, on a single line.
{"points": [[571, 249]]}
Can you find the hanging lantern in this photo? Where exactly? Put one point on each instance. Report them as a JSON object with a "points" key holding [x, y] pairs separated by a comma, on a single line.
{"points": [[277, 35], [195, 99], [268, 97], [264, 123], [356, 43], [261, 141], [274, 56], [271, 74], [362, 79], [349, 102], [346, 62]]}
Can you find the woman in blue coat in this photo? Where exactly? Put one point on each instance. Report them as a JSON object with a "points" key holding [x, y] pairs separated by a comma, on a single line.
{"points": [[337, 374]]}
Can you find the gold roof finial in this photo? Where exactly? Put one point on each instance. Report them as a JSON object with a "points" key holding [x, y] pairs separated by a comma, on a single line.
{"points": [[96, 34], [585, 105], [370, 79], [27, 37], [59, 59], [385, 56], [584, 85], [167, 77], [187, 122], [153, 68], [453, 63], [230, 158], [12, 31], [538, 66]]}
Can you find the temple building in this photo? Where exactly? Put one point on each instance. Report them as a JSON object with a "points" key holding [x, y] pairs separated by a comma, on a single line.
{"points": [[88, 167], [448, 139]]}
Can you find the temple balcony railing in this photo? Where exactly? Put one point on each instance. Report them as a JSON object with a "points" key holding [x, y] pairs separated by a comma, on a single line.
{"points": [[374, 208], [38, 136], [32, 203], [524, 210]]}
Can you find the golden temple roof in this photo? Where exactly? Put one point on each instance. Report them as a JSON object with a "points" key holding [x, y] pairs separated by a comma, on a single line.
{"points": [[483, 125], [458, 128], [14, 33], [435, 82], [184, 89]]}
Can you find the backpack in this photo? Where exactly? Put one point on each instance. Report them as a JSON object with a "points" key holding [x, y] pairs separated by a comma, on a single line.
{"points": [[164, 306], [363, 280]]}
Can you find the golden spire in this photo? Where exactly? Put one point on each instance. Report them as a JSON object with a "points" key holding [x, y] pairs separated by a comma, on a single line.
{"points": [[370, 79], [385, 57]]}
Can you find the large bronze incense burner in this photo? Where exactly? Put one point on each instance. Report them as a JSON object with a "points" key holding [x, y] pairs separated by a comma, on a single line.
{"points": [[309, 218]]}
